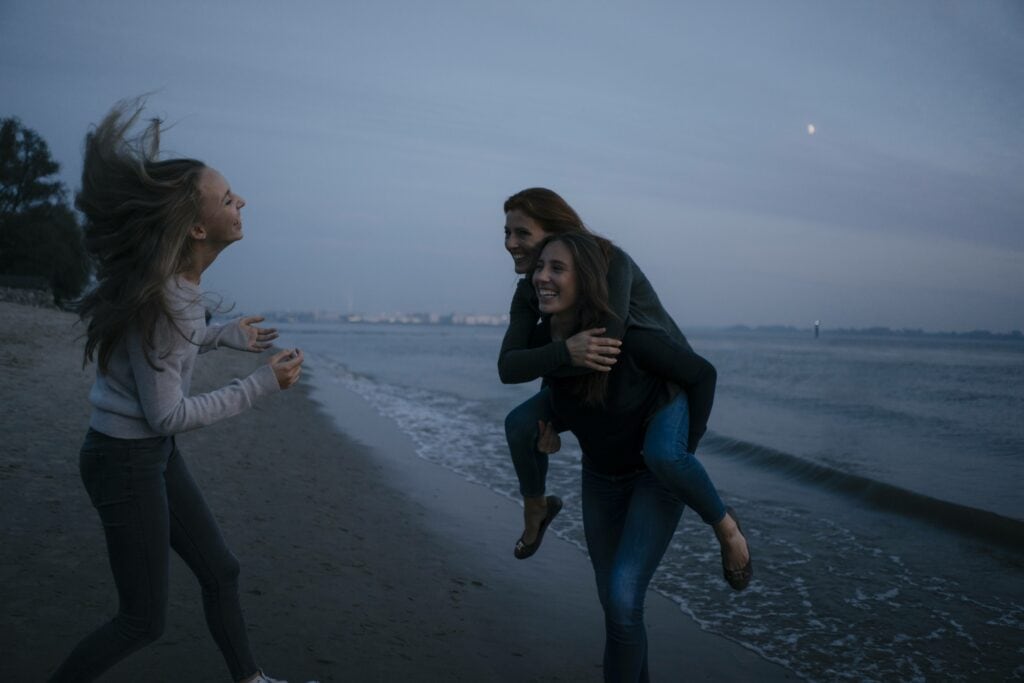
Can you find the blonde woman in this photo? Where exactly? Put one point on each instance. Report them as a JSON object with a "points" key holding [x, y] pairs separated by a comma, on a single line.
{"points": [[153, 227]]}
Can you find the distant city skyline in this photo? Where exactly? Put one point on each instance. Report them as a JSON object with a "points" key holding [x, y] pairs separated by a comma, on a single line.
{"points": [[500, 320], [764, 163]]}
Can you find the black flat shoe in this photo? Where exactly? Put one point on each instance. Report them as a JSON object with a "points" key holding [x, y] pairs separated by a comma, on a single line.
{"points": [[524, 550], [738, 578]]}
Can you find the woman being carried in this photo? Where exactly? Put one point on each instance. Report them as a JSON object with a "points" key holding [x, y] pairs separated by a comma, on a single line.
{"points": [[668, 444], [154, 226]]}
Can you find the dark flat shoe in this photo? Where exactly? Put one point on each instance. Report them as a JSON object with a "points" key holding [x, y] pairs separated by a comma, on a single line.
{"points": [[738, 578], [524, 550]]}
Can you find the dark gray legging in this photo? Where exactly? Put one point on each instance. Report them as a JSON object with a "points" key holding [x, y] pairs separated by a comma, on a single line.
{"points": [[149, 504]]}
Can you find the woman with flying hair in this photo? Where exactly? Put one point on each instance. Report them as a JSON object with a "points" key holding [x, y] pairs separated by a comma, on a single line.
{"points": [[153, 227], [588, 354], [629, 511]]}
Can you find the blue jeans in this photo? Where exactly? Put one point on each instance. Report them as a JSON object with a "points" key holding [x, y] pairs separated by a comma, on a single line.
{"points": [[521, 433], [666, 453], [629, 521], [149, 504]]}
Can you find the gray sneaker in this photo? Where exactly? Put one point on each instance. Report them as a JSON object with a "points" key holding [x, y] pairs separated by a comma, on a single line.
{"points": [[264, 678]]}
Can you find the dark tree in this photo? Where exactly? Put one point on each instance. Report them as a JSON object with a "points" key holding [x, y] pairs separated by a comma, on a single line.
{"points": [[25, 165], [39, 233]]}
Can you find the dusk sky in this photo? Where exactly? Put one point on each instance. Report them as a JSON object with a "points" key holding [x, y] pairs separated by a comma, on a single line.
{"points": [[376, 141]]}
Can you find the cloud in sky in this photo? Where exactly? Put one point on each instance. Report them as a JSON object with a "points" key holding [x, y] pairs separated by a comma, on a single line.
{"points": [[375, 143]]}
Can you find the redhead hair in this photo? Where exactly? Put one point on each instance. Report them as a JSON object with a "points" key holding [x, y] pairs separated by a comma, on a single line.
{"points": [[553, 214]]}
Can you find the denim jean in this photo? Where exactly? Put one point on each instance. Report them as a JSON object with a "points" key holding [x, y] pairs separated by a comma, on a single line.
{"points": [[628, 521], [149, 504], [521, 433], [666, 453]]}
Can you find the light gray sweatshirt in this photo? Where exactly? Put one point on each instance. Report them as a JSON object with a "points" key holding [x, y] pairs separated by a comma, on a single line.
{"points": [[134, 401]]}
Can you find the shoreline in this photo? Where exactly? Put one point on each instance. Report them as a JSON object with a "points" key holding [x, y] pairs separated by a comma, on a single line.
{"points": [[360, 560], [560, 571]]}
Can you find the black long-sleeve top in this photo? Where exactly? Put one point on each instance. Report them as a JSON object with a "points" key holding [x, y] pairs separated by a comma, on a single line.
{"points": [[631, 298], [639, 384]]}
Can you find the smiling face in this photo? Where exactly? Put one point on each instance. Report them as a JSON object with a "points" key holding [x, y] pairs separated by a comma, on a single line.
{"points": [[522, 235], [554, 278], [220, 217]]}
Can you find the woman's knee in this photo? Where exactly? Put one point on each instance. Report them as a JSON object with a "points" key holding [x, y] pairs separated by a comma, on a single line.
{"points": [[142, 630], [521, 427], [667, 435], [225, 573], [217, 572], [662, 457], [230, 570], [624, 603], [656, 454]]}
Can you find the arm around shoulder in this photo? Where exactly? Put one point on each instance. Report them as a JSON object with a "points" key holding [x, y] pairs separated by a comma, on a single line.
{"points": [[525, 355]]}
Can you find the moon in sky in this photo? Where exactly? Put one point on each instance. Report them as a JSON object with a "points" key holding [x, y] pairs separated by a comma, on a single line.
{"points": [[810, 129]]}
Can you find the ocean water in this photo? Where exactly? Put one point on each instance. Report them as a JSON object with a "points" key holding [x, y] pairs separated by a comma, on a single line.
{"points": [[878, 481]]}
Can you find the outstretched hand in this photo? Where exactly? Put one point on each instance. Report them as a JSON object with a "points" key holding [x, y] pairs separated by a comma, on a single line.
{"points": [[287, 366], [258, 338], [589, 350], [548, 440]]}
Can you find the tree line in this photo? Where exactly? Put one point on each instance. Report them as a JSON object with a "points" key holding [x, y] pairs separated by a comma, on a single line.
{"points": [[40, 234]]}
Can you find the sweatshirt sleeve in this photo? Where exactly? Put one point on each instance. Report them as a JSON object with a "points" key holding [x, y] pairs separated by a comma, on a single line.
{"points": [[164, 404], [518, 361], [657, 354], [229, 334]]}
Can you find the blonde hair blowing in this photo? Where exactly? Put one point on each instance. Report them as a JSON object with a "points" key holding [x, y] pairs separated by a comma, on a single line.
{"points": [[138, 212]]}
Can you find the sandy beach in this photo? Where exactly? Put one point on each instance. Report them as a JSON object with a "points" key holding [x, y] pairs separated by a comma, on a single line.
{"points": [[360, 562]]}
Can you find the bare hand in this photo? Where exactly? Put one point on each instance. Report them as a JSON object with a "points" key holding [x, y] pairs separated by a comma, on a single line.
{"points": [[287, 367], [589, 350], [259, 338], [548, 440]]}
